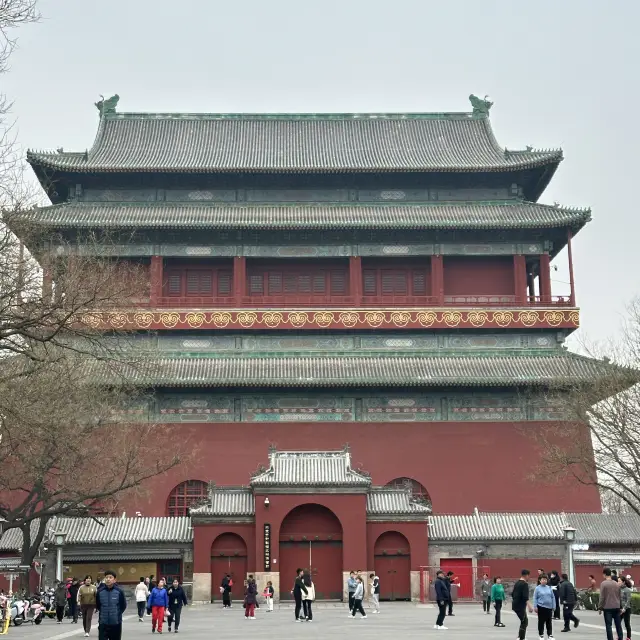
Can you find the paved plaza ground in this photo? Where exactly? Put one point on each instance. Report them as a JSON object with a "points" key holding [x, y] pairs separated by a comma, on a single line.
{"points": [[397, 620]]}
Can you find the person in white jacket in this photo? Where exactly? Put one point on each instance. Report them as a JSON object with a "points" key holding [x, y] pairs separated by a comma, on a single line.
{"points": [[309, 597], [375, 592], [358, 598], [142, 594]]}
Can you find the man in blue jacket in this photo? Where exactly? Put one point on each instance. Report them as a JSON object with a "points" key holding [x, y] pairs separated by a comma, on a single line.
{"points": [[111, 604]]}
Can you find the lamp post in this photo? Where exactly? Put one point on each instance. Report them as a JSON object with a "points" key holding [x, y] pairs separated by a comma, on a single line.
{"points": [[569, 538], [59, 540]]}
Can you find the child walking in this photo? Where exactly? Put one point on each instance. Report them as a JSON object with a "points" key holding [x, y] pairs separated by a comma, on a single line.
{"points": [[497, 597], [268, 595], [544, 604]]}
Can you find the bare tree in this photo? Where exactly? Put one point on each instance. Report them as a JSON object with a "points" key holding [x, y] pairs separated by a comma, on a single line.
{"points": [[598, 444]]}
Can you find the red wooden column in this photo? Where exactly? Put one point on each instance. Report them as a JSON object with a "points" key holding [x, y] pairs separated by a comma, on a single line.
{"points": [[239, 279], [156, 278], [572, 283], [355, 279], [437, 279], [545, 278], [519, 278]]}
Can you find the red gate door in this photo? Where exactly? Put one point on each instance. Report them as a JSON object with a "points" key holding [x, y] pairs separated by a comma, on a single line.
{"points": [[326, 569], [237, 567], [293, 555], [463, 570], [395, 577]]}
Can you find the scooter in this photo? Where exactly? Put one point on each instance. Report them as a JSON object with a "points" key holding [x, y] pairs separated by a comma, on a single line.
{"points": [[35, 611], [48, 598], [18, 607]]}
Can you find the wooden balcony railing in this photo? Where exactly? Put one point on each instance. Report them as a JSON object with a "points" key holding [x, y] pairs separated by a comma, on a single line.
{"points": [[471, 300]]}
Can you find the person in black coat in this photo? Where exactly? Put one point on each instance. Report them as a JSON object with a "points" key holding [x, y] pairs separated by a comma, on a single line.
{"points": [[442, 598], [568, 599], [554, 583], [299, 588], [177, 599], [225, 589]]}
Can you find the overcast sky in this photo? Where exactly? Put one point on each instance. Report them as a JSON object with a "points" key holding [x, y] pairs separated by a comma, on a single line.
{"points": [[561, 73]]}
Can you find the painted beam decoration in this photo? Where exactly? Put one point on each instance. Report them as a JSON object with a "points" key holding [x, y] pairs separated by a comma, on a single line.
{"points": [[512, 318]]}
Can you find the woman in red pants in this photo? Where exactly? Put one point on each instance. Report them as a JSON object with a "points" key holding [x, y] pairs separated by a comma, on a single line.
{"points": [[158, 603]]}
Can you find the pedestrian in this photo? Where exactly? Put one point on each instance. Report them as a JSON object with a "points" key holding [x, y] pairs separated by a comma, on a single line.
{"points": [[142, 595], [250, 599], [299, 587], [631, 582], [152, 583], [520, 602], [610, 604], [177, 599], [268, 594], [375, 592], [625, 604], [225, 590], [74, 587], [452, 580], [442, 598], [592, 583], [158, 601], [352, 585], [358, 597], [309, 597], [485, 588], [568, 599], [498, 598], [87, 601], [544, 602], [554, 582], [540, 572], [61, 601], [111, 604]]}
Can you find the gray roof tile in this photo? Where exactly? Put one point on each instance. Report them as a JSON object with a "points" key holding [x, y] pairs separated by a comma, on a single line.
{"points": [[294, 143], [165, 215], [481, 527], [326, 371], [310, 468], [12, 538], [598, 528], [125, 530], [392, 501], [227, 501]]}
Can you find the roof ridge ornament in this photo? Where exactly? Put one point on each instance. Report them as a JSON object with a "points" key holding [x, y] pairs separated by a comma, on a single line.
{"points": [[481, 107], [107, 105]]}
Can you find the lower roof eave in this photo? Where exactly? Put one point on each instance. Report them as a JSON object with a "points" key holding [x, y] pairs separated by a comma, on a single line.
{"points": [[400, 517], [309, 490], [205, 519]]}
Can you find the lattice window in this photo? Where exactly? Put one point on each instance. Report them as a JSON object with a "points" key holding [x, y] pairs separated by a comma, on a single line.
{"points": [[185, 495], [256, 284], [338, 283], [225, 282], [417, 490], [394, 282]]}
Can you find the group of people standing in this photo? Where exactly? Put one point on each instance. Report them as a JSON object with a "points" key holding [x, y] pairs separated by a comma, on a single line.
{"points": [[159, 600], [356, 588]]}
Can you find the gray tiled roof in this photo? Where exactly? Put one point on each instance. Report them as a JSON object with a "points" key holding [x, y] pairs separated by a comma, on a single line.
{"points": [[124, 530], [497, 526], [605, 558], [9, 564], [228, 501], [209, 143], [12, 538], [310, 468], [325, 371], [391, 501], [597, 528], [167, 215]]}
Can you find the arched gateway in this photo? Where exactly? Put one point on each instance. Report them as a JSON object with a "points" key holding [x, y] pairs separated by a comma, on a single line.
{"points": [[311, 539], [310, 510]]}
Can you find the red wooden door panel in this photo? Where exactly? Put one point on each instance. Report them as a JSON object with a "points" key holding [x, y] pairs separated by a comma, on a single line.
{"points": [[234, 565], [463, 570], [293, 555], [326, 569], [395, 577]]}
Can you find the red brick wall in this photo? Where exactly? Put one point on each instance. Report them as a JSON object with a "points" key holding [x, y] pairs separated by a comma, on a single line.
{"points": [[462, 465]]}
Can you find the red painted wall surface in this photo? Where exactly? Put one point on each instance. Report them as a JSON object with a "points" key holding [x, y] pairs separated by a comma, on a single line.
{"points": [[448, 458], [204, 537], [478, 275], [583, 571], [414, 532], [512, 568]]}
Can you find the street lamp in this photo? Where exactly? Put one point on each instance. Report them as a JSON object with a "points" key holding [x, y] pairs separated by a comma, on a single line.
{"points": [[569, 538], [59, 539]]}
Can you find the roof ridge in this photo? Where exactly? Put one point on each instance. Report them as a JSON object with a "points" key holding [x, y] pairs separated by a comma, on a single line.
{"points": [[372, 115]]}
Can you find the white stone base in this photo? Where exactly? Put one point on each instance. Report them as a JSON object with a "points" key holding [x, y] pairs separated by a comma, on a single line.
{"points": [[202, 587], [415, 586]]}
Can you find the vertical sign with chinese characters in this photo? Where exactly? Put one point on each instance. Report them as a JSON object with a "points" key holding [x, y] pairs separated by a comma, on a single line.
{"points": [[267, 547]]}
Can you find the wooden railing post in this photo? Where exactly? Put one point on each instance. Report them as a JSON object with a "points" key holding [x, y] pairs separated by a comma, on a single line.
{"points": [[545, 278], [239, 279], [519, 278], [437, 279], [572, 298], [156, 277], [355, 280]]}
